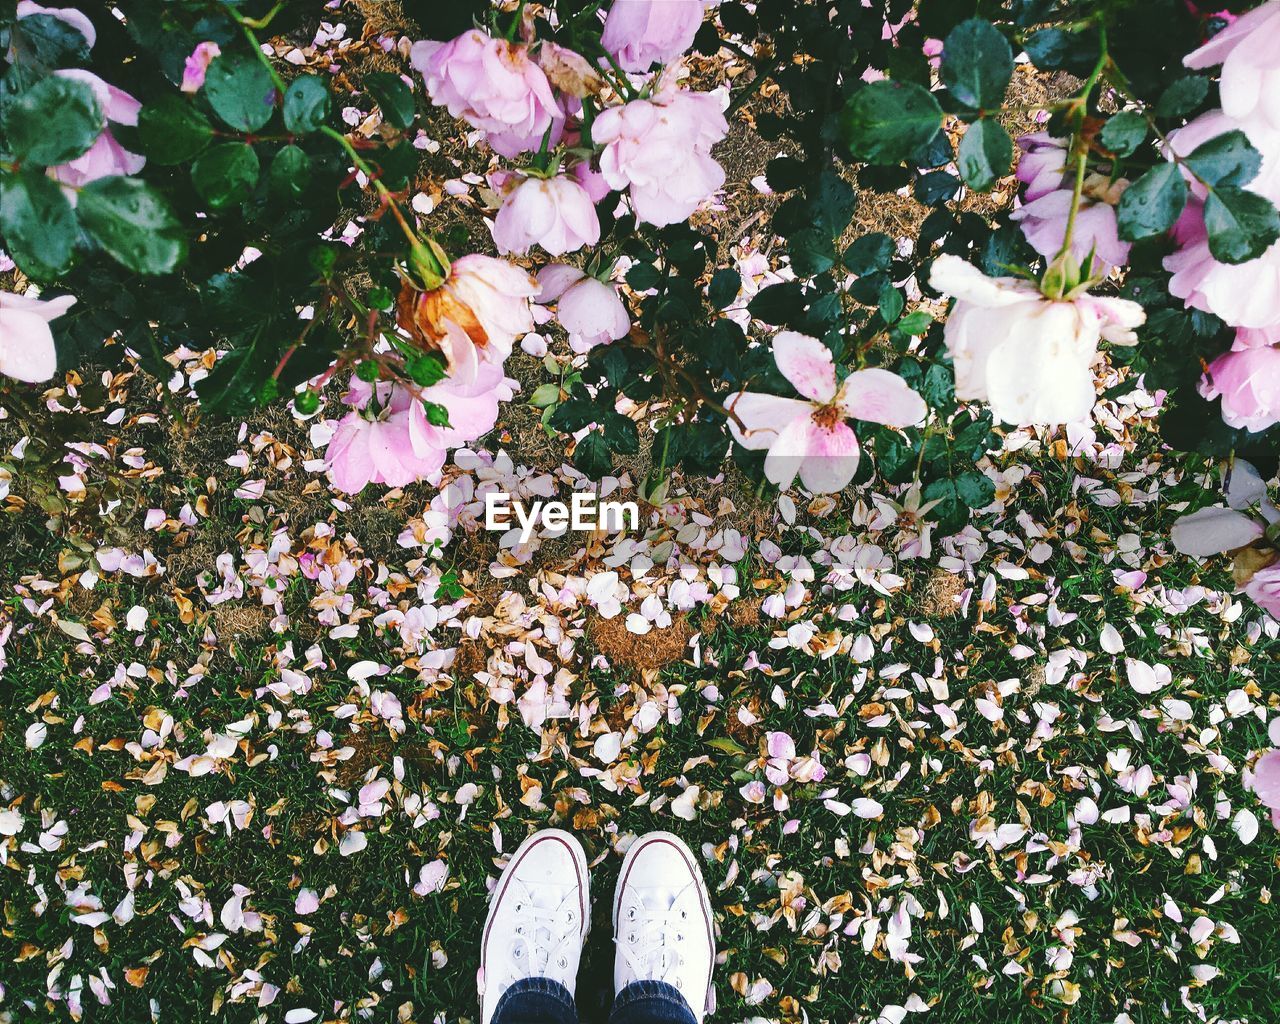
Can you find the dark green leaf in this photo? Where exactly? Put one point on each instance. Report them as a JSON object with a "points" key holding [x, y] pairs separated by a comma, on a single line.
{"points": [[1152, 203], [643, 276], [54, 121], [306, 104], [778, 303], [951, 512], [885, 122], [1242, 225], [869, 253], [784, 173], [226, 174], [977, 63], [132, 223], [1182, 97], [591, 455], [1124, 133], [812, 252], [38, 222], [172, 131], [240, 91], [393, 96], [290, 173], [916, 322], [976, 489], [1227, 160], [936, 187], [621, 434], [984, 154], [724, 287], [49, 41], [891, 303], [1055, 49]]}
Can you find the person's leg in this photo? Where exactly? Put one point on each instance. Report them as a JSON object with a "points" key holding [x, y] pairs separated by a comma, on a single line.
{"points": [[532, 941], [665, 935]]}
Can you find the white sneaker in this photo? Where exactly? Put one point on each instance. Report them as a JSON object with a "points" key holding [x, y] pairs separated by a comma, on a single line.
{"points": [[538, 918], [662, 921]]}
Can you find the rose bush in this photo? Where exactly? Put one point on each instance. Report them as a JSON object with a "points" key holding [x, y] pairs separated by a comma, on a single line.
{"points": [[168, 182]]}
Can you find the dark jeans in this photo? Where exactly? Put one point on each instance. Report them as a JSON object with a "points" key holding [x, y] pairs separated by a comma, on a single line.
{"points": [[543, 1001]]}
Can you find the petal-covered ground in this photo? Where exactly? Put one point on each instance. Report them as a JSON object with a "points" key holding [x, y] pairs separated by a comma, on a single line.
{"points": [[261, 754]]}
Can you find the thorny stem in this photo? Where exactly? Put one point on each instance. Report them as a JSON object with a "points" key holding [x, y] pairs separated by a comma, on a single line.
{"points": [[1080, 105]]}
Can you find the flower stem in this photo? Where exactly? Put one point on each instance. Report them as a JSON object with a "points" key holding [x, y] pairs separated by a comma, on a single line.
{"points": [[1080, 148]]}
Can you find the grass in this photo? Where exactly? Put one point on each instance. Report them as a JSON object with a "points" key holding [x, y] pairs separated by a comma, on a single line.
{"points": [[792, 904]]}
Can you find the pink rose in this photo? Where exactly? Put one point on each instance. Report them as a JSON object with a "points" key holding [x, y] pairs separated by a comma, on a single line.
{"points": [[68, 15], [388, 441], [492, 84], [556, 213], [1266, 775], [472, 405], [1042, 165], [1242, 294], [197, 66], [474, 317], [640, 33], [27, 351], [660, 149], [1044, 223], [106, 157], [589, 310], [1250, 59], [1248, 382], [591, 179], [1264, 589], [810, 436]]}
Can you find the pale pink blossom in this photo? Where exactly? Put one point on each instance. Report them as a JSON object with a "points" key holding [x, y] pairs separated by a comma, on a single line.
{"points": [[591, 311], [27, 351], [197, 66], [1044, 223], [1042, 164], [385, 439], [1030, 357], [591, 179], [810, 436], [660, 149], [641, 33], [106, 157], [555, 213], [1264, 589], [1247, 379], [1250, 57], [1266, 776], [69, 15], [494, 85], [475, 316]]}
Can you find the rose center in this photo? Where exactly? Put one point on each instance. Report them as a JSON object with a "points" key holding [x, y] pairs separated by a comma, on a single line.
{"points": [[827, 416]]}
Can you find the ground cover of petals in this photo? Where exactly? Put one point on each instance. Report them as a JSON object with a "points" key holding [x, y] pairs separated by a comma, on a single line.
{"points": [[264, 746], [262, 757]]}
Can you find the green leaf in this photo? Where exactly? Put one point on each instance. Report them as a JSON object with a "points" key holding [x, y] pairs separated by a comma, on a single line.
{"points": [[38, 222], [133, 223], [936, 187], [393, 96], [241, 91], [778, 303], [950, 513], [885, 122], [1182, 97], [1124, 133], [724, 287], [643, 276], [1242, 225], [306, 104], [621, 433], [869, 253], [812, 252], [976, 489], [290, 173], [54, 121], [226, 174], [591, 455], [891, 303], [977, 63], [1228, 160], [916, 322], [984, 154], [172, 131], [49, 41], [1152, 203]]}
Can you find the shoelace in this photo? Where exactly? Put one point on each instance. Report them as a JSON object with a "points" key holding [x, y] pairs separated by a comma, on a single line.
{"points": [[543, 937], [651, 941]]}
